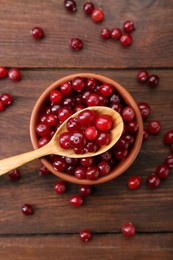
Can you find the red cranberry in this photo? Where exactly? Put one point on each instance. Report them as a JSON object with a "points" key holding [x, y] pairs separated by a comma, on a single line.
{"points": [[88, 8], [92, 100], [92, 173], [106, 156], [76, 200], [153, 80], [104, 122], [51, 120], [90, 84], [104, 168], [3, 72], [6, 99], [77, 140], [70, 5], [106, 89], [103, 138], [120, 154], [126, 40], [64, 113], [145, 135], [43, 129], [60, 187], [117, 107], [27, 209], [134, 182], [43, 141], [80, 172], [66, 88], [85, 190], [85, 235], [14, 74], [72, 161], [129, 138], [73, 125], [142, 76], [128, 114], [55, 96], [59, 164], [37, 33], [105, 33], [132, 127], [78, 84], [14, 174], [91, 133], [122, 143], [44, 171], [153, 127], [97, 15], [2, 107], [68, 101], [168, 137], [169, 161], [116, 33], [128, 26], [162, 171], [64, 140], [76, 44], [86, 117], [153, 181], [144, 109], [128, 229], [91, 147], [87, 161]]}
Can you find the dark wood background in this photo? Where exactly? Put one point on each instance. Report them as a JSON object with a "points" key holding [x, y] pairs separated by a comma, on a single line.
{"points": [[53, 231]]}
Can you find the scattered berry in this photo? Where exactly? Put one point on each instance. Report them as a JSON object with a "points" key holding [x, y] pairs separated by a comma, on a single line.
{"points": [[76, 44], [3, 72], [126, 40], [70, 5], [97, 15], [153, 181], [169, 161], [14, 74], [85, 235], [76, 200], [37, 33], [116, 33], [142, 76], [153, 80], [85, 190], [105, 33], [168, 137], [134, 182], [14, 174], [88, 8], [162, 171], [60, 187], [128, 229], [27, 209], [128, 26], [153, 127]]}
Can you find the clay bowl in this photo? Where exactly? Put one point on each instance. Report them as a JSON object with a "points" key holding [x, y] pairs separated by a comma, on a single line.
{"points": [[129, 100]]}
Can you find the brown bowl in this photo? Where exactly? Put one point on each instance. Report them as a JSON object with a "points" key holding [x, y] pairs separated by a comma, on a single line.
{"points": [[129, 100]]}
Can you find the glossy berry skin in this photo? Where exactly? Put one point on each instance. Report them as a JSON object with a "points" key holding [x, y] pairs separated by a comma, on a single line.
{"points": [[43, 141], [6, 99], [80, 172], [153, 80], [153, 181], [85, 235], [27, 209], [168, 137], [43, 129], [14, 174], [64, 140], [128, 114], [106, 89], [153, 127], [43, 171], [51, 120], [66, 88], [91, 133], [55, 96], [128, 26], [142, 76], [86, 162], [97, 15], [104, 122], [59, 164], [77, 140], [134, 182], [92, 173], [90, 84], [169, 161], [92, 100], [116, 33], [78, 84], [37, 33], [88, 8], [120, 154], [2, 107], [126, 40], [85, 190], [70, 5], [128, 230], [104, 168], [64, 113], [60, 187], [76, 200], [145, 135], [86, 117], [14, 74], [163, 171], [76, 44], [3, 72], [73, 125], [105, 33], [144, 109]]}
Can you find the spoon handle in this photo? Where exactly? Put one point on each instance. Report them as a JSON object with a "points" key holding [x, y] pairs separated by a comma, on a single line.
{"points": [[13, 162]]}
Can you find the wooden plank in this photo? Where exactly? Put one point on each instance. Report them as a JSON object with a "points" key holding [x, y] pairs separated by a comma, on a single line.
{"points": [[143, 247], [152, 39], [111, 204]]}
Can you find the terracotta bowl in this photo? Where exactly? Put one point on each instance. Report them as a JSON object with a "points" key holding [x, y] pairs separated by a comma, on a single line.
{"points": [[129, 100]]}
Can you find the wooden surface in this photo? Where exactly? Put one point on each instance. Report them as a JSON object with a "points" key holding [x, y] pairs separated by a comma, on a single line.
{"points": [[53, 231]]}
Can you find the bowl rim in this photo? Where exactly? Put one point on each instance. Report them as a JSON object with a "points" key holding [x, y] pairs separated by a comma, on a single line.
{"points": [[129, 100]]}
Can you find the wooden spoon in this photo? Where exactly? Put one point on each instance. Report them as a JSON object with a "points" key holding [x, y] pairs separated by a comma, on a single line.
{"points": [[53, 146]]}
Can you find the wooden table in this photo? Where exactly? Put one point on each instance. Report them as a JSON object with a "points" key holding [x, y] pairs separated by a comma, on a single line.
{"points": [[53, 231]]}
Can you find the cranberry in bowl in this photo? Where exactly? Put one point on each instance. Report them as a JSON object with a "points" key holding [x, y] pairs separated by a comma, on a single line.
{"points": [[71, 94]]}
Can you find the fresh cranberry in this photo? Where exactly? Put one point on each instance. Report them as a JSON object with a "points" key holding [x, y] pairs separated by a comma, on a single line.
{"points": [[120, 154], [2, 107], [144, 109], [169, 161], [76, 200], [54, 109], [116, 33], [142, 76], [55, 96], [78, 108], [37, 33], [60, 187], [27, 209], [128, 114], [105, 33], [76, 44], [43, 129], [106, 156], [14, 74], [86, 117], [91, 133], [68, 101], [117, 107], [129, 138], [162, 171], [153, 80], [70, 5], [79, 150], [66, 88], [90, 84], [51, 120], [43, 171], [77, 140], [88, 8], [92, 173], [6, 99], [43, 141], [73, 125], [72, 161], [106, 89], [78, 84], [153, 181], [64, 113], [80, 172], [145, 135], [115, 98], [122, 143], [92, 100], [88, 161], [128, 26], [97, 15], [134, 182], [85, 190], [128, 230], [3, 72], [153, 127], [64, 140], [104, 122], [132, 127], [126, 40], [85, 235], [103, 138], [14, 174], [104, 168], [103, 101], [59, 164], [91, 147], [168, 137], [70, 169]]}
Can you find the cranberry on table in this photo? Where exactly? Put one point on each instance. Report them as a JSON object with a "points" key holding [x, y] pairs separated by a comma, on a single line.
{"points": [[163, 171], [153, 181], [128, 114], [153, 127], [70, 5], [88, 8], [116, 33], [60, 187], [43, 171], [2, 107], [134, 182], [144, 109], [103, 138], [76, 200], [27, 209], [153, 80], [76, 44], [85, 190], [97, 15], [142, 76], [169, 161], [85, 235], [14, 174], [168, 137], [6, 99], [105, 33], [3, 72], [14, 74], [104, 122], [37, 33], [128, 26], [126, 40], [128, 229]]}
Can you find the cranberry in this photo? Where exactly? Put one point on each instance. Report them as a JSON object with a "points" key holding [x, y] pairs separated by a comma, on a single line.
{"points": [[73, 125], [3, 72], [153, 127], [54, 109], [51, 120], [126, 40], [144, 109], [70, 5], [122, 143], [103, 138], [117, 107], [78, 108], [128, 114], [55, 96], [142, 76], [43, 129], [129, 138], [2, 107], [70, 169], [153, 80], [37, 33], [64, 113], [6, 99], [79, 150], [86, 117], [85, 235], [132, 127], [128, 26], [91, 147], [78, 84], [77, 140], [169, 161], [88, 8], [106, 90], [27, 209], [92, 100], [59, 164], [104, 168], [80, 172], [105, 33], [44, 171], [60, 187], [86, 161], [76, 200], [106, 156], [85, 190], [97, 15], [72, 161], [76, 44], [120, 154], [43, 141], [128, 229], [168, 137], [90, 84], [145, 134], [153, 181], [92, 173], [66, 88], [91, 133], [134, 182], [14, 74], [116, 33], [162, 171], [64, 140], [14, 174], [115, 98], [104, 122]]}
